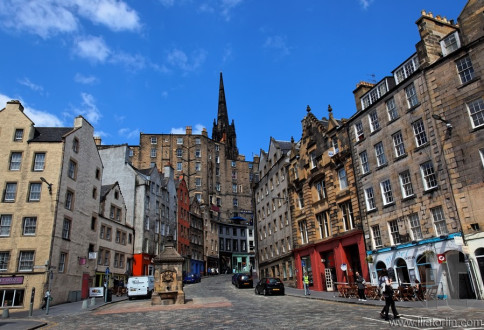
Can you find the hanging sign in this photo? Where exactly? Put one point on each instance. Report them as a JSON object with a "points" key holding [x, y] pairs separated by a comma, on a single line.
{"points": [[441, 258]]}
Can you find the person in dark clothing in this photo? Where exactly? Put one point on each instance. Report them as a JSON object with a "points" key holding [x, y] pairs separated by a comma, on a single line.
{"points": [[387, 291], [360, 282]]}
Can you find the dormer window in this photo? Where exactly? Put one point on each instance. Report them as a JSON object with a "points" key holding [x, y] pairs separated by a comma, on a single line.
{"points": [[406, 69], [450, 43]]}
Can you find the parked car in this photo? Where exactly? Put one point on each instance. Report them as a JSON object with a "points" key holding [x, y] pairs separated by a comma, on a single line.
{"points": [[244, 281], [140, 286], [192, 278], [269, 285], [234, 278]]}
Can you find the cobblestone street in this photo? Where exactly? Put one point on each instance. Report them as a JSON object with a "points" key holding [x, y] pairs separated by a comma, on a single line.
{"points": [[216, 304]]}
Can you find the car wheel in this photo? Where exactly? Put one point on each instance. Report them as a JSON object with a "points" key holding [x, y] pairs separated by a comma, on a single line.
{"points": [[129, 298]]}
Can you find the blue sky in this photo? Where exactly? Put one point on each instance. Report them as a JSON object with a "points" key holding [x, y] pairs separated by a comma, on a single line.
{"points": [[153, 66]]}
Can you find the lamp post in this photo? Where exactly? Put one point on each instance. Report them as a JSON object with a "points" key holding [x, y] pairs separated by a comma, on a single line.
{"points": [[468, 264], [47, 303]]}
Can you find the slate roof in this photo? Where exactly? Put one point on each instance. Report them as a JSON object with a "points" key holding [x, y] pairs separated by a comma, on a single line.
{"points": [[50, 134], [105, 189]]}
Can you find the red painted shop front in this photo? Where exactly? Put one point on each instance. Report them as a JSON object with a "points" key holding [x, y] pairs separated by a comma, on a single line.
{"points": [[332, 262], [142, 264]]}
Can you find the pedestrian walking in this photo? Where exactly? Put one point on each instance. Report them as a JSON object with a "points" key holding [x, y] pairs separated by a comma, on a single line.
{"points": [[306, 284], [361, 283], [387, 291]]}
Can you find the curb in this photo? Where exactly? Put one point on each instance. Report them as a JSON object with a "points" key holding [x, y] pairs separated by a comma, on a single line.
{"points": [[367, 303]]}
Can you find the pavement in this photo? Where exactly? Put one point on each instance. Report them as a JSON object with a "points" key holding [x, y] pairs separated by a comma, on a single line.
{"points": [[39, 318], [21, 320]]}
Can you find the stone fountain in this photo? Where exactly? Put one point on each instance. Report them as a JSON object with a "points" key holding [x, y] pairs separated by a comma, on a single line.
{"points": [[168, 277]]}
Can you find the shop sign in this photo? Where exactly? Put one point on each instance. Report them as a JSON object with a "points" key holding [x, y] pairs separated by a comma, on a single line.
{"points": [[11, 280], [96, 292], [458, 240], [441, 258]]}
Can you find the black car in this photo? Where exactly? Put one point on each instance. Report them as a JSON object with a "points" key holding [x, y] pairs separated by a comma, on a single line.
{"points": [[244, 281], [234, 278], [269, 285]]}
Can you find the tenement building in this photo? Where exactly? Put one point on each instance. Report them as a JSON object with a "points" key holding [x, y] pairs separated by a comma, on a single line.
{"points": [[328, 241], [51, 183], [273, 214], [417, 149], [214, 171], [453, 74], [151, 205], [115, 239]]}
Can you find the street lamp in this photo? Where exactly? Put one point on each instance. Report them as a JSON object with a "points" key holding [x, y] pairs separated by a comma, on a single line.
{"points": [[446, 122], [49, 185]]}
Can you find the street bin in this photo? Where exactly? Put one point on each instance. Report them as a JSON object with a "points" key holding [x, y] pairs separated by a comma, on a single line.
{"points": [[109, 298]]}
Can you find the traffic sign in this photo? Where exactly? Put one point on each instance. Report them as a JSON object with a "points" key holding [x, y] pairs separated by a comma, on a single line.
{"points": [[441, 258]]}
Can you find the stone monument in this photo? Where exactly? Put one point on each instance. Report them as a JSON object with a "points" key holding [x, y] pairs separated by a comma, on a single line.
{"points": [[168, 277]]}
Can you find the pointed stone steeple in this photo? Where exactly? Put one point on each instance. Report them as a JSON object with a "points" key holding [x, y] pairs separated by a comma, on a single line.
{"points": [[222, 131]]}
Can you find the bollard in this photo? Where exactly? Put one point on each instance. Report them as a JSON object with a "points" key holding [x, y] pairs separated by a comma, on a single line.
{"points": [[93, 301], [5, 314], [84, 304]]}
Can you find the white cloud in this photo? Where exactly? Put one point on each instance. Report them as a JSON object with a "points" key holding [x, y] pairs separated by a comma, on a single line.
{"points": [[227, 55], [44, 18], [92, 48], [88, 109], [86, 80], [119, 118], [39, 117], [31, 85], [198, 129], [228, 6], [167, 3], [47, 18], [101, 134], [179, 59], [365, 3], [128, 133], [182, 130], [131, 62], [277, 43], [179, 130], [114, 14]]}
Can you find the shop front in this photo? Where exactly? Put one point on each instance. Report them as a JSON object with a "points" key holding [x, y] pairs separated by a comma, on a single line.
{"points": [[241, 263], [438, 263], [333, 262], [142, 264]]}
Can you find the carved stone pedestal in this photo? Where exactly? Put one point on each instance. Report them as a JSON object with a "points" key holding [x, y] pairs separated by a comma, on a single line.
{"points": [[168, 278]]}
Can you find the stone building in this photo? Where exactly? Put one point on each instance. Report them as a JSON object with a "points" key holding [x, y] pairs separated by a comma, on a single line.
{"points": [[406, 190], [327, 231], [150, 199], [196, 238], [183, 222], [235, 255], [453, 69], [51, 182], [273, 215], [214, 171], [115, 243]]}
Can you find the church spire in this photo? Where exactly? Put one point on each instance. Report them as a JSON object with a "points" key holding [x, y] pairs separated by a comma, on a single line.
{"points": [[222, 117], [222, 131]]}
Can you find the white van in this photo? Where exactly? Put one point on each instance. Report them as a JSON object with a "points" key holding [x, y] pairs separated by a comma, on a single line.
{"points": [[140, 286]]}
